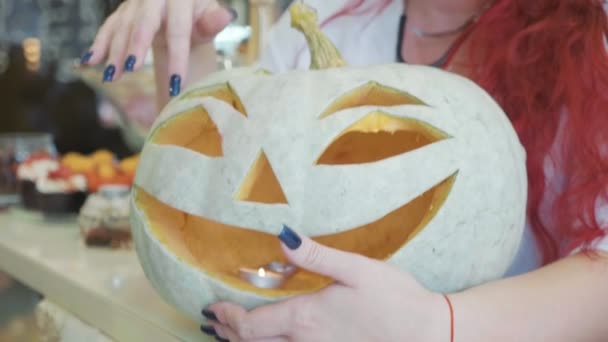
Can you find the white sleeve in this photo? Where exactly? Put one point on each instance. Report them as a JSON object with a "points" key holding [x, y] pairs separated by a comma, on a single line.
{"points": [[601, 212], [282, 46], [602, 244], [602, 219], [286, 47]]}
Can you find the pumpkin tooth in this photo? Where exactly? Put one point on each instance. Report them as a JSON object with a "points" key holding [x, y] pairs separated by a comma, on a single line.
{"points": [[323, 53]]}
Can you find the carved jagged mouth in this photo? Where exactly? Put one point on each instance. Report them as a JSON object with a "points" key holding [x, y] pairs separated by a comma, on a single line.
{"points": [[220, 250]]}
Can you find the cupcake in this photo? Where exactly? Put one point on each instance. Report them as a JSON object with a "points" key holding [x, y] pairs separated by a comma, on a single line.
{"points": [[28, 173], [61, 191]]}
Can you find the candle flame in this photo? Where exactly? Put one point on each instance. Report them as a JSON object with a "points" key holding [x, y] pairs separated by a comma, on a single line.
{"points": [[261, 272]]}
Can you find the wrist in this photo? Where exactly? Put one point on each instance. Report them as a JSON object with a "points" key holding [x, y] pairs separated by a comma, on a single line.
{"points": [[440, 319], [468, 322]]}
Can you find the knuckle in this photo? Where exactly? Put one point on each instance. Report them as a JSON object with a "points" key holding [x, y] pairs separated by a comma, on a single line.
{"points": [[177, 33], [151, 15], [117, 48], [303, 318], [221, 331], [105, 30], [140, 33], [244, 330], [314, 255], [115, 16]]}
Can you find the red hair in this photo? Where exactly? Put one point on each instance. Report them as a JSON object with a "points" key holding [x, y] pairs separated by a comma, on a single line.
{"points": [[544, 61]]}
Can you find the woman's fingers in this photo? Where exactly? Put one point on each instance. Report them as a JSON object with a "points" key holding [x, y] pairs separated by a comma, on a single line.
{"points": [[146, 23], [336, 264], [99, 50], [120, 41], [178, 35], [224, 332], [266, 322], [126, 36]]}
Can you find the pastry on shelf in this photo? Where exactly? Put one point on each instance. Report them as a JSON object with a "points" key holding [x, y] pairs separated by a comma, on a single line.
{"points": [[60, 185], [77, 162], [62, 191], [102, 157], [104, 218], [35, 167], [106, 172]]}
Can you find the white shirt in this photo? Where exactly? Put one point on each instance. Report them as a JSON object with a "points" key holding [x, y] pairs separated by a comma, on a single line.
{"points": [[370, 39]]}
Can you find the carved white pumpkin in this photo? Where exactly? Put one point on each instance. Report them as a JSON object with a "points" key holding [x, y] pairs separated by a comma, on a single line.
{"points": [[407, 164]]}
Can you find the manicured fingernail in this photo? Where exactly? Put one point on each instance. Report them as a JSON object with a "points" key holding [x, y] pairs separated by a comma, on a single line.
{"points": [[219, 339], [86, 57], [108, 73], [210, 315], [175, 84], [290, 238], [209, 330], [130, 63], [233, 13]]}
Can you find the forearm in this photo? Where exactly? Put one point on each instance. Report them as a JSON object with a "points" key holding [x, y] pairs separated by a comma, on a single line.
{"points": [[566, 301], [202, 62]]}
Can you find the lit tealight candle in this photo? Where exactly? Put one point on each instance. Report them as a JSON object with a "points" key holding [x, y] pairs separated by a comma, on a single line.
{"points": [[262, 278]]}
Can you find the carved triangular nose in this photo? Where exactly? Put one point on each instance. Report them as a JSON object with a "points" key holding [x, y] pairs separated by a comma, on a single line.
{"points": [[261, 184]]}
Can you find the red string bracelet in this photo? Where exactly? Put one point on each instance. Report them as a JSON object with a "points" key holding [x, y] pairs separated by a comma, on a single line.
{"points": [[447, 299]]}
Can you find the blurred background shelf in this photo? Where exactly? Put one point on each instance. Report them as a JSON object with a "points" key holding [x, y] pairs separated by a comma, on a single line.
{"points": [[104, 288]]}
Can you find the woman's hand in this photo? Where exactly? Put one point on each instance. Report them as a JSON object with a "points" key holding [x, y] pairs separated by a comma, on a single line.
{"points": [[371, 301], [172, 28]]}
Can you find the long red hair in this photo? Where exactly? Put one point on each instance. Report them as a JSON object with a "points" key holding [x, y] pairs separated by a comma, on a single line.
{"points": [[544, 60]]}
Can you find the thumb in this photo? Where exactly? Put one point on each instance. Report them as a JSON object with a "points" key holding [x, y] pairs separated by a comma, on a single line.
{"points": [[347, 268]]}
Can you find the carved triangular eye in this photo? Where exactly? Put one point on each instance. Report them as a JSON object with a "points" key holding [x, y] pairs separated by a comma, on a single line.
{"points": [[193, 129], [261, 184], [371, 94], [222, 92], [379, 136]]}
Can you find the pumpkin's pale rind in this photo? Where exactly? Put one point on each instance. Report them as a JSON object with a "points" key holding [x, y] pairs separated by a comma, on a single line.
{"points": [[472, 239]]}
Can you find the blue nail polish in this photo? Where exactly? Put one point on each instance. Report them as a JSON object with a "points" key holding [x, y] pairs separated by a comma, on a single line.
{"points": [[210, 315], [175, 84], [290, 238], [209, 330], [86, 57], [108, 73], [219, 339], [130, 63]]}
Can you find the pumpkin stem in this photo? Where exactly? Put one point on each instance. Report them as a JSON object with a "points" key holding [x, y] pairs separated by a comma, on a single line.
{"points": [[323, 53]]}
